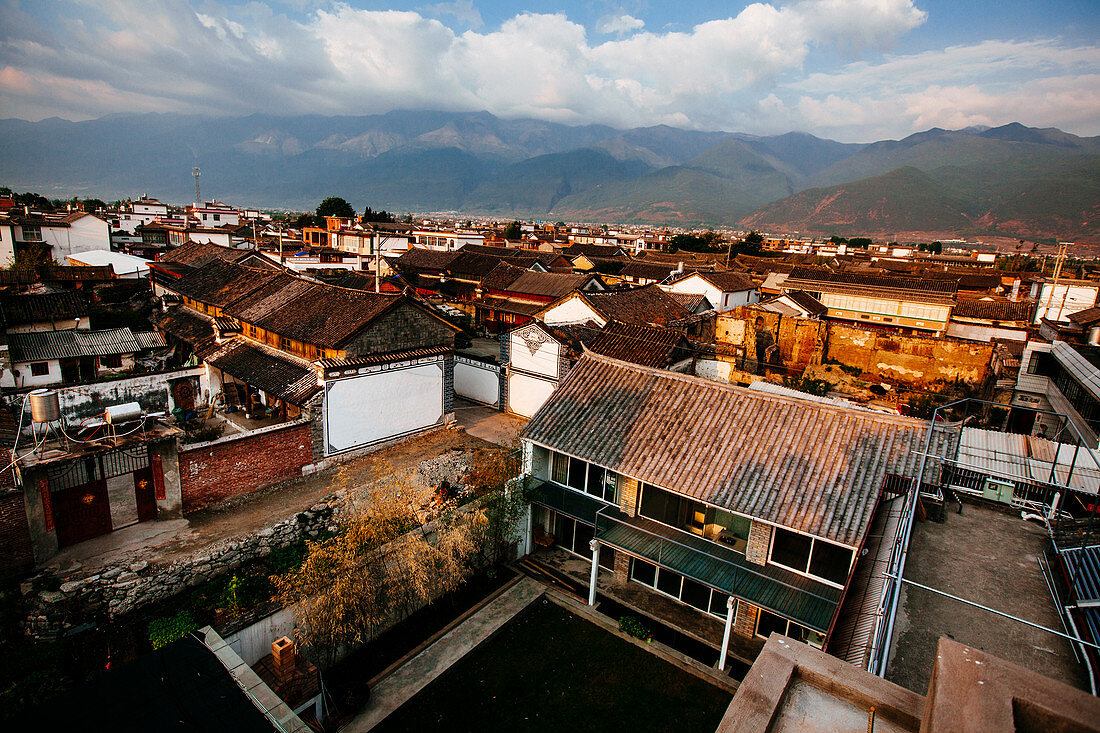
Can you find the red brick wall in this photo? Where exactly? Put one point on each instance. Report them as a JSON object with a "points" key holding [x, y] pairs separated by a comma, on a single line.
{"points": [[238, 466], [16, 555]]}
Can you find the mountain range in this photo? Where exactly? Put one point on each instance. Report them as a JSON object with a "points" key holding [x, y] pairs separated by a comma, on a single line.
{"points": [[1014, 180]]}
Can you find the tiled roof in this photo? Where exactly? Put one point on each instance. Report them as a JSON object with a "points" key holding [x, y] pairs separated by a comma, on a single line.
{"points": [[196, 254], [995, 310], [219, 283], [1087, 317], [42, 345], [57, 273], [808, 303], [427, 259], [728, 281], [655, 271], [607, 251], [185, 324], [274, 372], [507, 306], [309, 312], [646, 345], [691, 301], [388, 358], [18, 310], [859, 283], [644, 306], [548, 284], [813, 468]]}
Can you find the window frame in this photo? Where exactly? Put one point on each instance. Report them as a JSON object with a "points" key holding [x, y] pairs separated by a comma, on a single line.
{"points": [[810, 557], [38, 365]]}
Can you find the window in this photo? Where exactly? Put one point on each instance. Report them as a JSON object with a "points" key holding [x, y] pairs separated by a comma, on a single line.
{"points": [[217, 217], [692, 516], [32, 233], [285, 344], [685, 590], [40, 368], [110, 362], [575, 536], [768, 622], [811, 556], [585, 477]]}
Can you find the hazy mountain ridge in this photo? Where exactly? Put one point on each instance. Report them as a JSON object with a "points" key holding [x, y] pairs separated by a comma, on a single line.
{"points": [[1034, 181]]}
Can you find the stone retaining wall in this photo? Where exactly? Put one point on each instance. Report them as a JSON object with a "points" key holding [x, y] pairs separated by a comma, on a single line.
{"points": [[116, 590]]}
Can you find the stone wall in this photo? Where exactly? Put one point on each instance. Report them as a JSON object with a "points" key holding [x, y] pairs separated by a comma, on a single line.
{"points": [[229, 467], [920, 360], [114, 591]]}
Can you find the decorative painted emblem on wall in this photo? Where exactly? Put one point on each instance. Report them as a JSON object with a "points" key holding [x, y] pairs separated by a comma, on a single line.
{"points": [[88, 498], [534, 339]]}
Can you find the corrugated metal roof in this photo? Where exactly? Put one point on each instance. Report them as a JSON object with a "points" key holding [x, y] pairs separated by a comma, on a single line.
{"points": [[44, 345], [1029, 458], [814, 468]]}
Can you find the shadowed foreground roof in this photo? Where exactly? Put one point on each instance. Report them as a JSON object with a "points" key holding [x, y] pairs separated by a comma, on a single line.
{"points": [[814, 468]]}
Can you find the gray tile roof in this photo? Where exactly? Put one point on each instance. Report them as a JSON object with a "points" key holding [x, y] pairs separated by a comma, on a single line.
{"points": [[44, 345], [282, 375], [813, 468]]}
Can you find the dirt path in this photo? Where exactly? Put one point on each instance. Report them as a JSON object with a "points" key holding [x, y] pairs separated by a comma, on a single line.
{"points": [[165, 541]]}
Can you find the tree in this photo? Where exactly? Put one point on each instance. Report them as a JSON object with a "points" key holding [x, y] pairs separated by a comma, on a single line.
{"points": [[513, 231], [861, 242], [751, 244], [306, 220], [335, 206], [936, 248], [381, 216]]}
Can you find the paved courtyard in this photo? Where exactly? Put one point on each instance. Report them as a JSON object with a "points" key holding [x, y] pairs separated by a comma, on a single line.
{"points": [[989, 557]]}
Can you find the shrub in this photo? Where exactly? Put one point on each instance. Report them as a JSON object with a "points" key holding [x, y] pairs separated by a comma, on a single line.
{"points": [[163, 631], [631, 625]]}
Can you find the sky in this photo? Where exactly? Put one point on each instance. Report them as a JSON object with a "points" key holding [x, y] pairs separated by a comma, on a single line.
{"points": [[850, 70]]}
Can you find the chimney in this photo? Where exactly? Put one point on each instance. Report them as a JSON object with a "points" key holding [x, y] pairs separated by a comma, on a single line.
{"points": [[283, 657]]}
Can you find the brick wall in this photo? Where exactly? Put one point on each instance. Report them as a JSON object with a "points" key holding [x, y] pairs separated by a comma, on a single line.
{"points": [[744, 619], [405, 327], [16, 555], [756, 548], [213, 472], [622, 567], [628, 495]]}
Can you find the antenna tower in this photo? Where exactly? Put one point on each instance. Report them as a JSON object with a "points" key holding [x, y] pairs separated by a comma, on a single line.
{"points": [[198, 197]]}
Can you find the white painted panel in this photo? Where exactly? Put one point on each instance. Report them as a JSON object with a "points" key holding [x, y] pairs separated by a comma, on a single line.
{"points": [[382, 405], [477, 383], [527, 394], [570, 311], [719, 371], [531, 350]]}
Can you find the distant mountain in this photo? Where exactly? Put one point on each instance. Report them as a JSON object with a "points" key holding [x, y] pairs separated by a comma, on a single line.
{"points": [[1013, 180], [1037, 182]]}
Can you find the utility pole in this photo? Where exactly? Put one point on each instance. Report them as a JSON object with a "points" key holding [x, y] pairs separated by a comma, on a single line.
{"points": [[1061, 257]]}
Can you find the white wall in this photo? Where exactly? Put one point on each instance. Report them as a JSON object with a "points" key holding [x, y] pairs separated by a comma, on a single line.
{"points": [[477, 382], [976, 332], [380, 405], [573, 310], [544, 360], [7, 245], [719, 371], [88, 233], [1056, 303], [26, 379], [527, 394]]}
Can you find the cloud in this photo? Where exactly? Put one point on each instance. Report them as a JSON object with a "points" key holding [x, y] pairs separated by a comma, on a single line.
{"points": [[745, 72], [461, 10], [619, 24]]}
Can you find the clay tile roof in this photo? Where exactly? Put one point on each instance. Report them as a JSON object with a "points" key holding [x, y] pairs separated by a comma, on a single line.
{"points": [[185, 324], [728, 281], [274, 372], [549, 284], [219, 283], [865, 283], [808, 303], [644, 306], [196, 254], [427, 259], [998, 310], [646, 345], [690, 301], [42, 345], [38, 307], [1087, 317]]}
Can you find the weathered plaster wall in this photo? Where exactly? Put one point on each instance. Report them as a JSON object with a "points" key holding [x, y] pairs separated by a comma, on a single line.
{"points": [[913, 359]]}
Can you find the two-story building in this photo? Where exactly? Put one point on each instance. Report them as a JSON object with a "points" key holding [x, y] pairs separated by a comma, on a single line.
{"points": [[749, 508]]}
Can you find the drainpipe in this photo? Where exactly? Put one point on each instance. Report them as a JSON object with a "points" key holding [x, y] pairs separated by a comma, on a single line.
{"points": [[595, 547], [726, 634]]}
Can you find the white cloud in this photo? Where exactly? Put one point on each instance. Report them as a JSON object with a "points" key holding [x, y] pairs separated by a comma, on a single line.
{"points": [[620, 24], [745, 72]]}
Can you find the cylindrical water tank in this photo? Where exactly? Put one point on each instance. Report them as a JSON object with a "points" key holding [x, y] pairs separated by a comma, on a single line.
{"points": [[44, 406], [123, 413]]}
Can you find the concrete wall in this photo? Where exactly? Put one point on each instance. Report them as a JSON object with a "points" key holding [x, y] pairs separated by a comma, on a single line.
{"points": [[210, 473], [913, 359], [151, 391]]}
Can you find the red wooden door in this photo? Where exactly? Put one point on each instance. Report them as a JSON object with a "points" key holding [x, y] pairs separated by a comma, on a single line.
{"points": [[146, 499], [81, 513], [183, 394]]}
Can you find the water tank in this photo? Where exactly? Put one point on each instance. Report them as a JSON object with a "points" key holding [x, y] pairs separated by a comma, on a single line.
{"points": [[123, 413], [45, 406], [1094, 336]]}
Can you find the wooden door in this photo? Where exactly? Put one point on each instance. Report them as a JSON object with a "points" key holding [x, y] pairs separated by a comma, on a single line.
{"points": [[144, 489], [81, 512], [183, 394]]}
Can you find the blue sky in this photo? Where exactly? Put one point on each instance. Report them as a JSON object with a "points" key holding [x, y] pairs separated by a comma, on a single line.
{"points": [[852, 70]]}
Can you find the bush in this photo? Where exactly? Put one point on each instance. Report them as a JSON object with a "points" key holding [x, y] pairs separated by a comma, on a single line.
{"points": [[202, 433], [632, 626], [163, 631]]}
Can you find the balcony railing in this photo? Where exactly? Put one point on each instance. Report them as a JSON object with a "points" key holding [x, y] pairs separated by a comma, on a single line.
{"points": [[803, 600]]}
